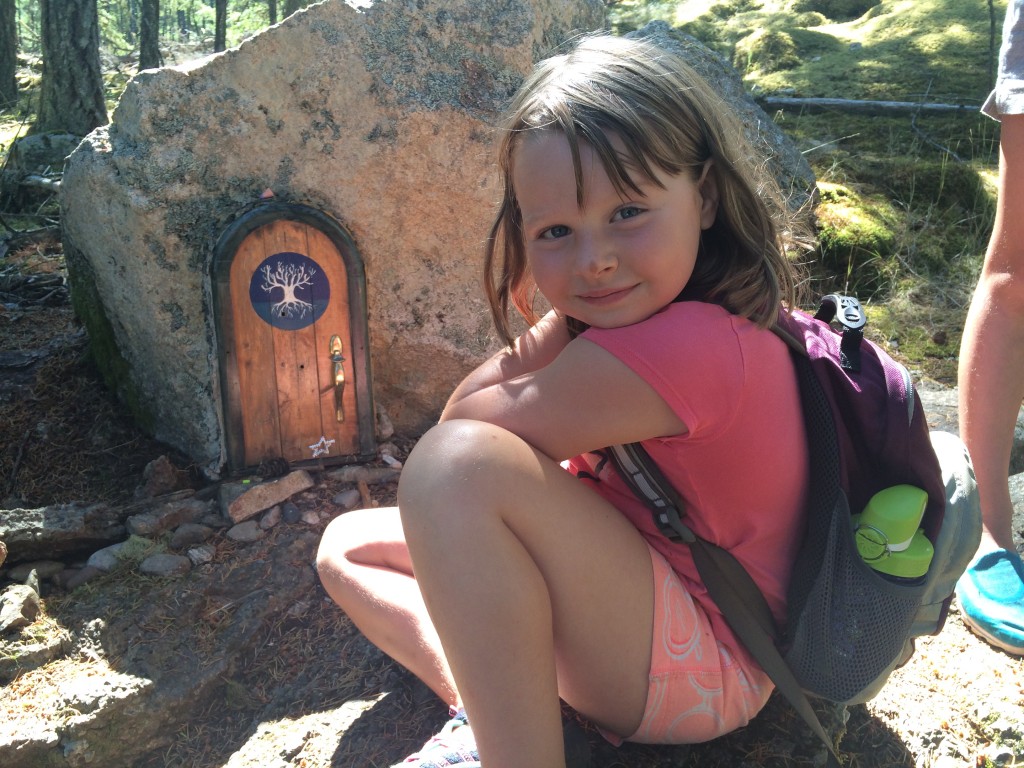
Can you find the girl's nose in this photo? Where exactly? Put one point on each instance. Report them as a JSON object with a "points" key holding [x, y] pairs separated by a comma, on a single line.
{"points": [[594, 256]]}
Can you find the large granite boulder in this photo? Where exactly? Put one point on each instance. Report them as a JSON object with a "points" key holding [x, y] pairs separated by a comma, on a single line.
{"points": [[381, 118]]}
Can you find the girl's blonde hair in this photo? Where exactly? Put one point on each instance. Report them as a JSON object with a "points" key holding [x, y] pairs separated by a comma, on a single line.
{"points": [[669, 119]]}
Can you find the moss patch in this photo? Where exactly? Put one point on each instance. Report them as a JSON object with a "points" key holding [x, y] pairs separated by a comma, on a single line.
{"points": [[923, 330], [766, 51], [103, 349], [857, 235]]}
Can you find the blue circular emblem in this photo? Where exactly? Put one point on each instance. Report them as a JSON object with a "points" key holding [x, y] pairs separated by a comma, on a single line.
{"points": [[290, 291]]}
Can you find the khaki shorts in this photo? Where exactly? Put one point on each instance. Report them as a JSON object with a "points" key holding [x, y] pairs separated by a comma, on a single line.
{"points": [[699, 690]]}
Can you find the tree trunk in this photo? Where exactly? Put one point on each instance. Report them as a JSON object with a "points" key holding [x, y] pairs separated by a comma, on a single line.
{"points": [[184, 28], [8, 54], [149, 36], [71, 91], [28, 27], [132, 32], [220, 28], [272, 11]]}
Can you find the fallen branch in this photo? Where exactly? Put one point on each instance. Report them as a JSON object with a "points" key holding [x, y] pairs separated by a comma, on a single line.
{"points": [[864, 107], [18, 239], [47, 183]]}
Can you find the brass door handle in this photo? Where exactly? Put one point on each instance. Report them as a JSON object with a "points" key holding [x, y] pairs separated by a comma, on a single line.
{"points": [[336, 348]]}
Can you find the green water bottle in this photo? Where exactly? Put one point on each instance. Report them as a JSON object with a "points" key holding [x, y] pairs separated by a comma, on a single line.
{"points": [[888, 535]]}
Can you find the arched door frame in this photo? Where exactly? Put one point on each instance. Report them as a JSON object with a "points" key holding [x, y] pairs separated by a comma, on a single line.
{"points": [[226, 249]]}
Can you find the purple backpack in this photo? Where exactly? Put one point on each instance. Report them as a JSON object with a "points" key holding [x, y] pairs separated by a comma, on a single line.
{"points": [[848, 627]]}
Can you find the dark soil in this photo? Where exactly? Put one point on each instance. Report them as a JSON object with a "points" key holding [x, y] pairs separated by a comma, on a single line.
{"points": [[64, 438]]}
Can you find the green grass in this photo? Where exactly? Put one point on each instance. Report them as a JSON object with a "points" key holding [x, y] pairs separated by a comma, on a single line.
{"points": [[907, 200]]}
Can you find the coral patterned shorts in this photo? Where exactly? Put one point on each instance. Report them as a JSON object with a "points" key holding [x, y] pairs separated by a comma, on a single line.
{"points": [[699, 689]]}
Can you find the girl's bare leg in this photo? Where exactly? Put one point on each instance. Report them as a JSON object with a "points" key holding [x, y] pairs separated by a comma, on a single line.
{"points": [[364, 565], [536, 586]]}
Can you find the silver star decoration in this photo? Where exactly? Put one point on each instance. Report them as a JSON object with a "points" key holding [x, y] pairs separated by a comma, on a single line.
{"points": [[323, 447]]}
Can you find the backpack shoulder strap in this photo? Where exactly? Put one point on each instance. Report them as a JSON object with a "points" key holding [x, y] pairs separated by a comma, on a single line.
{"points": [[730, 586]]}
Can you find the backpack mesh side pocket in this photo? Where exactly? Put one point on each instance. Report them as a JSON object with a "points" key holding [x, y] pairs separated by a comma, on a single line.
{"points": [[853, 628], [848, 626]]}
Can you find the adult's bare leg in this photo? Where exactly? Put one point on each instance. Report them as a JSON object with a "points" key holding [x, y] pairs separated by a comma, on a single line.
{"points": [[991, 379], [536, 585], [364, 565], [991, 372]]}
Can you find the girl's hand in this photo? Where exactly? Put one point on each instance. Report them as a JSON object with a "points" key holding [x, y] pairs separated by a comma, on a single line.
{"points": [[582, 400]]}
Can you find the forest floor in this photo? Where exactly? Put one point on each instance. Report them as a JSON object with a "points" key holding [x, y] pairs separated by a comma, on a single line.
{"points": [[958, 702]]}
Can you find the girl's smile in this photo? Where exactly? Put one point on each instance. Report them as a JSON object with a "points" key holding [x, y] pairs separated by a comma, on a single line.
{"points": [[621, 256]]}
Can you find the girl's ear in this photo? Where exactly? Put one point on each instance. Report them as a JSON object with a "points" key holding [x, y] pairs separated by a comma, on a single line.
{"points": [[708, 188]]}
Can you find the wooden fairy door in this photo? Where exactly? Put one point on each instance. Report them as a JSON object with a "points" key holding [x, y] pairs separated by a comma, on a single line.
{"points": [[293, 325]]}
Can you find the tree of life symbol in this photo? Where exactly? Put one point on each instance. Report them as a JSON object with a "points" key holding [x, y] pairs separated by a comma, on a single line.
{"points": [[289, 278], [289, 291]]}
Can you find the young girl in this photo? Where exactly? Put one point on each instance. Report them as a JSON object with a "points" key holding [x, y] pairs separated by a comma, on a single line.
{"points": [[634, 206]]}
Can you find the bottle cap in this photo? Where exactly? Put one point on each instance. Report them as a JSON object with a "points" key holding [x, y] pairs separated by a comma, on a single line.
{"points": [[894, 514]]}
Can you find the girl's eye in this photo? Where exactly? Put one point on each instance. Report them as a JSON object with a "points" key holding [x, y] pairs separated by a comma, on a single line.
{"points": [[627, 212], [555, 232]]}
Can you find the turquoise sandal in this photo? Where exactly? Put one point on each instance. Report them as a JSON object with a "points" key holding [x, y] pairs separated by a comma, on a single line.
{"points": [[991, 595]]}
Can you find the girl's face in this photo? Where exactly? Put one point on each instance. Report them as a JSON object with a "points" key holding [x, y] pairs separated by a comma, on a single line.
{"points": [[621, 257]]}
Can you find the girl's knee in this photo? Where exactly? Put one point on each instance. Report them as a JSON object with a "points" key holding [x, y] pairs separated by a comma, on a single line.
{"points": [[460, 466], [460, 444]]}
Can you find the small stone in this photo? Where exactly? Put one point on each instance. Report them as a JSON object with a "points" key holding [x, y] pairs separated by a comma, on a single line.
{"points": [[228, 492], [202, 554], [385, 429], [62, 578], [266, 495], [391, 461], [19, 606], [271, 518], [189, 534], [215, 520], [347, 499], [106, 559], [161, 477], [164, 564], [290, 513], [166, 517], [82, 576], [79, 752], [246, 532], [46, 569], [311, 517]]}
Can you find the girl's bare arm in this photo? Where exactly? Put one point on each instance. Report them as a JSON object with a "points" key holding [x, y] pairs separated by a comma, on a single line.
{"points": [[581, 400]]}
